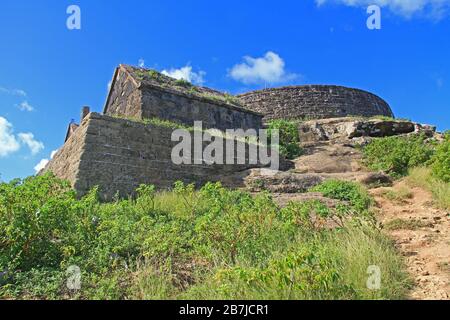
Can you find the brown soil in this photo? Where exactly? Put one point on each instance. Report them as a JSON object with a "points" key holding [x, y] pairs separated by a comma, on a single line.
{"points": [[424, 239]]}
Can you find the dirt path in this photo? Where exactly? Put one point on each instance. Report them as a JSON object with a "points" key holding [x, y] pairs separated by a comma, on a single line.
{"points": [[422, 234]]}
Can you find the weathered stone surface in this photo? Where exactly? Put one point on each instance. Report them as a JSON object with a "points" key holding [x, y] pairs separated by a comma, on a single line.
{"points": [[135, 94], [314, 101], [118, 155], [381, 128], [345, 129], [328, 158], [283, 199], [280, 182], [376, 179]]}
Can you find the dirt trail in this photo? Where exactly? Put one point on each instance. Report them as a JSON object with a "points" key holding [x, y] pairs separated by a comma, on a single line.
{"points": [[422, 236]]}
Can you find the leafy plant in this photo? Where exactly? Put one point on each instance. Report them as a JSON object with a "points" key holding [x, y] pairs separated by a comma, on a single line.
{"points": [[440, 162], [289, 139], [353, 193], [395, 155], [184, 243], [183, 83]]}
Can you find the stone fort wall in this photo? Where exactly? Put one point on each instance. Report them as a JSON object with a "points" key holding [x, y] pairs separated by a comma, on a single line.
{"points": [[118, 155], [315, 102], [138, 93]]}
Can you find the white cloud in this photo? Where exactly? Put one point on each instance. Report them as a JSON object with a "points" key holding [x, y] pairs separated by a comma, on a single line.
{"points": [[28, 139], [15, 92], [141, 63], [435, 9], [8, 142], [267, 69], [41, 165], [25, 106], [187, 74]]}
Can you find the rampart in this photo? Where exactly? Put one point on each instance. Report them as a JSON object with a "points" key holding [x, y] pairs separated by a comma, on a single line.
{"points": [[314, 102], [118, 155]]}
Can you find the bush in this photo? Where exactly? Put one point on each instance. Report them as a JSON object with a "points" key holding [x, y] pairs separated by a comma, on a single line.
{"points": [[331, 265], [395, 155], [440, 162], [353, 193], [289, 138], [183, 243]]}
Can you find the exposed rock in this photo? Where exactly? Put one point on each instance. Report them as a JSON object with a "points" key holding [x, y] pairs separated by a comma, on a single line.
{"points": [[328, 158], [282, 199], [376, 179], [345, 129], [280, 182], [381, 128]]}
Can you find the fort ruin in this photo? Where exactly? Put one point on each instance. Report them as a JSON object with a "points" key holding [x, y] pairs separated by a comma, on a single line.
{"points": [[120, 149]]}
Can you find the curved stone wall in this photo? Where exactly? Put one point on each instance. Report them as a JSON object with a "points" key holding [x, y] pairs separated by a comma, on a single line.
{"points": [[314, 102]]}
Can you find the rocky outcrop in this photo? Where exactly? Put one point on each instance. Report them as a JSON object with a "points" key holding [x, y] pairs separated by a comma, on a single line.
{"points": [[280, 182], [346, 129], [328, 158]]}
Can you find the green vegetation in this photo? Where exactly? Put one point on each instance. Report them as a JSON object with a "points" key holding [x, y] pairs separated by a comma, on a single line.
{"points": [[183, 83], [166, 123], [353, 193], [396, 155], [213, 243], [401, 224], [156, 122], [289, 137], [440, 162], [226, 98], [426, 162], [401, 195], [422, 177]]}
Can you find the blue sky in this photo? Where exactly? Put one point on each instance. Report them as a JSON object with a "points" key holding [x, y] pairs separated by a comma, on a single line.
{"points": [[48, 72]]}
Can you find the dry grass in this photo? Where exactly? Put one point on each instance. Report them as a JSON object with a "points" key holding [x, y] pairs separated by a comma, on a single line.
{"points": [[421, 177], [400, 195], [402, 224]]}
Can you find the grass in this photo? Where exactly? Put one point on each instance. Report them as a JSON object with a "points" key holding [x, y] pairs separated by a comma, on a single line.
{"points": [[156, 122], [246, 138], [345, 256], [226, 98], [185, 86], [213, 243], [402, 224], [422, 177], [400, 195]]}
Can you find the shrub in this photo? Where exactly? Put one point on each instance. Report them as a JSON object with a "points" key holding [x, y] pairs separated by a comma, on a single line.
{"points": [[183, 243], [353, 193], [183, 83], [289, 137], [35, 215], [441, 160], [330, 265], [395, 155]]}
